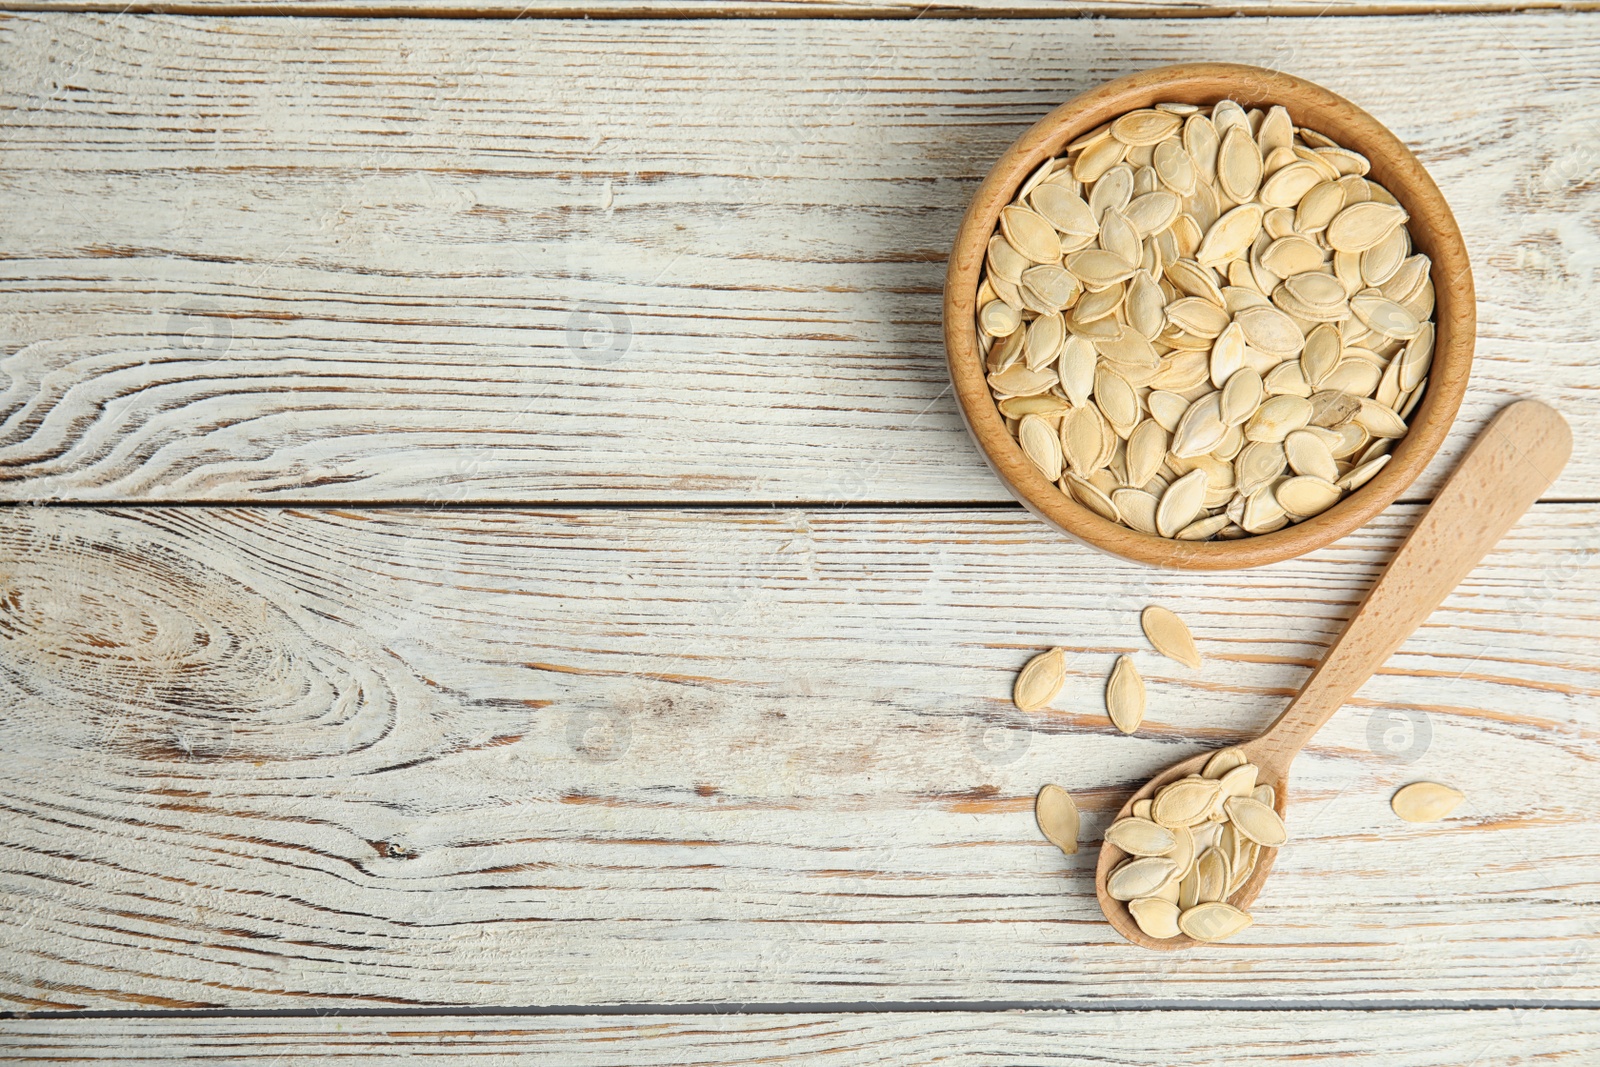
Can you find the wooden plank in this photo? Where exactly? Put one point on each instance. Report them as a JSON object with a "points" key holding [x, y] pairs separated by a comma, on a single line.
{"points": [[269, 758], [1205, 1038], [796, 9], [358, 260]]}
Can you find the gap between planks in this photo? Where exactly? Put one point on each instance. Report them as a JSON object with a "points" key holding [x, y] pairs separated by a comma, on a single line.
{"points": [[819, 1008]]}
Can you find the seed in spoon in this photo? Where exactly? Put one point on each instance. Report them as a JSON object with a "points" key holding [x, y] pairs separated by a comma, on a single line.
{"points": [[1425, 801], [1040, 680], [1212, 870], [1184, 802], [1183, 850], [1057, 816], [1223, 762], [1156, 916], [1170, 636], [1213, 921], [1140, 877], [1141, 837], [1240, 781], [1256, 821]]}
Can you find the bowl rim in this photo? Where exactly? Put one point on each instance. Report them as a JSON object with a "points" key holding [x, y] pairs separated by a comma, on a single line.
{"points": [[1433, 230]]}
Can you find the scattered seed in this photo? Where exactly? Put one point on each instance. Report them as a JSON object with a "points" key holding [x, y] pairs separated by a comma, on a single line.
{"points": [[1057, 816], [1425, 801], [1041, 679], [1170, 636], [1125, 695]]}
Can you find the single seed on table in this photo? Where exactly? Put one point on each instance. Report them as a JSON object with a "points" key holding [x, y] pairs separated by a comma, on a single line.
{"points": [[1170, 637], [1057, 816], [1425, 801], [1125, 698], [1040, 680]]}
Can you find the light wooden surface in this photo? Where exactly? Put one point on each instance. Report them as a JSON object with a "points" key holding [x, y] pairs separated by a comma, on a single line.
{"points": [[262, 758], [398, 222], [795, 9], [637, 740], [904, 1039]]}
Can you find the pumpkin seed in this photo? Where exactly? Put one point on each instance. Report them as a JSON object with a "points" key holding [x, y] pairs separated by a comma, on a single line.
{"points": [[1041, 680], [1256, 821], [1425, 801], [1141, 837], [1125, 698], [1170, 637], [1057, 817], [1158, 918], [1140, 877], [1184, 802], [1213, 921]]}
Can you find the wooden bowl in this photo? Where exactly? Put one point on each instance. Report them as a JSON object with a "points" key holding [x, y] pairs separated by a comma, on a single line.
{"points": [[1433, 231]]}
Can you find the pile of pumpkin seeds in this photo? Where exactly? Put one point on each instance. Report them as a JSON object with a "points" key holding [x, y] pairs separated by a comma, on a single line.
{"points": [[1205, 322], [1192, 846]]}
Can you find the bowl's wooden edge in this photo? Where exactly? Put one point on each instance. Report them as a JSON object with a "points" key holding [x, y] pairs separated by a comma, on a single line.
{"points": [[1434, 231]]}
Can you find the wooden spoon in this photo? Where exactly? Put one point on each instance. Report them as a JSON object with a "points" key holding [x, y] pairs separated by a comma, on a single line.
{"points": [[1513, 461]]}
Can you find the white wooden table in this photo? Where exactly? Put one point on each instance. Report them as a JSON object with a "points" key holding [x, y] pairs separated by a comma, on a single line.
{"points": [[493, 572]]}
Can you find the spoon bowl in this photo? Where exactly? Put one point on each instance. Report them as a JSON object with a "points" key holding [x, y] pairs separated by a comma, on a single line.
{"points": [[1116, 911], [1509, 466]]}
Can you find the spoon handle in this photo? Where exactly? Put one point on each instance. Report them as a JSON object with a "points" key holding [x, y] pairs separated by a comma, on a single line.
{"points": [[1514, 460]]}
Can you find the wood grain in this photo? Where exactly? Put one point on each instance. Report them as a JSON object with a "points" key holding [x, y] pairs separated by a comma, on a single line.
{"points": [[904, 1039], [269, 758], [343, 260], [796, 9]]}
